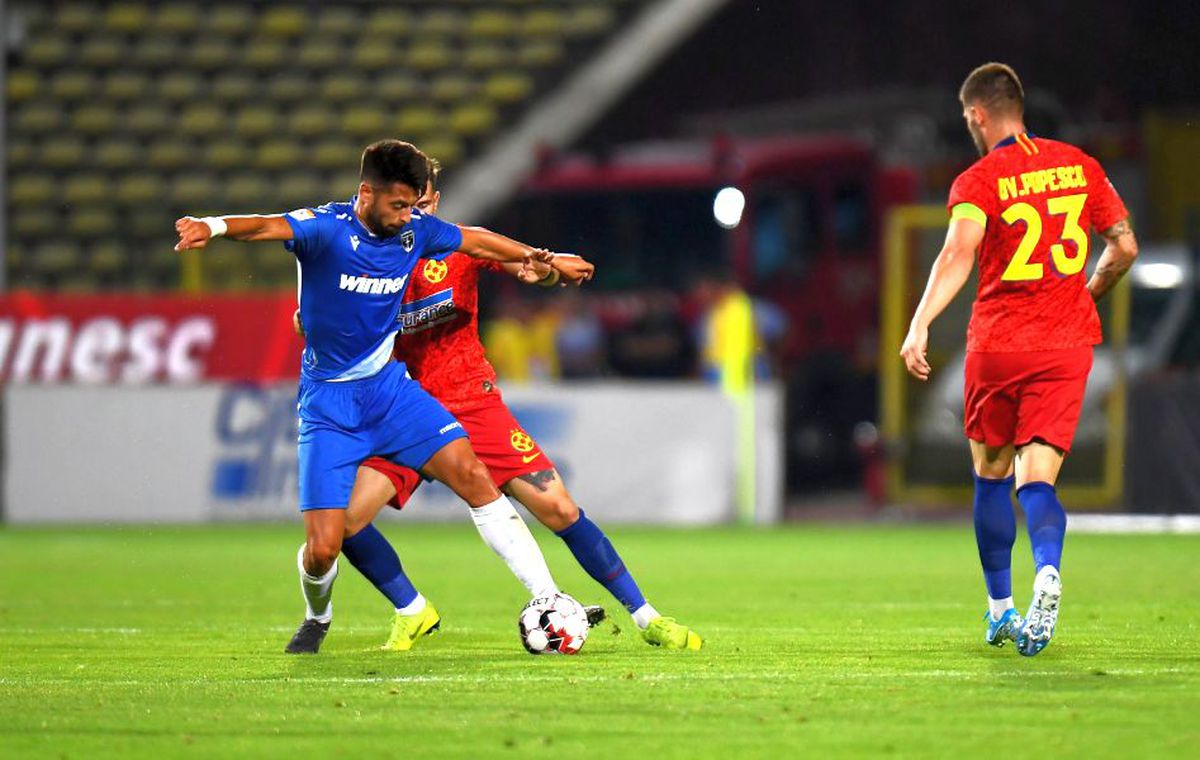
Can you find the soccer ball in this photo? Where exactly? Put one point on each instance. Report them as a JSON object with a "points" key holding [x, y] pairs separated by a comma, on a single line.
{"points": [[555, 624]]}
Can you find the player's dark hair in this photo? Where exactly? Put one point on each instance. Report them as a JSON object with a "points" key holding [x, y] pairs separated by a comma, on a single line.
{"points": [[996, 87], [390, 161], [435, 173]]}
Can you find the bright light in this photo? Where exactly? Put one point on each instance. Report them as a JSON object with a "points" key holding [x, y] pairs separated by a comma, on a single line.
{"points": [[728, 207], [1158, 275]]}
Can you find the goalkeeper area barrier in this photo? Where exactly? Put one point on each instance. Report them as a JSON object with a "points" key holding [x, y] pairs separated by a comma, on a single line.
{"points": [[928, 461]]}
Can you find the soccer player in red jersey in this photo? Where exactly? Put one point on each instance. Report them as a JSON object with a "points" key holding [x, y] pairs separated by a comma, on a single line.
{"points": [[439, 342], [1027, 207]]}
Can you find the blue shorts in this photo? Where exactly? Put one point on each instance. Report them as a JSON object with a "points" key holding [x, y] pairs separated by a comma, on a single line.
{"points": [[387, 415]]}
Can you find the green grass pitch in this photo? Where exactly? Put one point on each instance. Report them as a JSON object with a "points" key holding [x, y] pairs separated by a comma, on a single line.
{"points": [[167, 642]]}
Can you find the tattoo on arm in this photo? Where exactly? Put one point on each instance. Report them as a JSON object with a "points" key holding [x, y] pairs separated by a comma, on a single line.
{"points": [[1122, 227], [539, 479]]}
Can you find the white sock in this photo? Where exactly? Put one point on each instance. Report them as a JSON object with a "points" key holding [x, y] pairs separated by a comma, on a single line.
{"points": [[644, 614], [503, 529], [413, 607], [999, 606], [1044, 573], [318, 592]]}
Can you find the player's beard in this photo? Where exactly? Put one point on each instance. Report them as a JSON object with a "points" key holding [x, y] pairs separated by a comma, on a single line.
{"points": [[977, 138]]}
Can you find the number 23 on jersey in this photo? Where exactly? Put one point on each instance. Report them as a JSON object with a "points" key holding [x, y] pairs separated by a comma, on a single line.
{"points": [[1020, 268]]}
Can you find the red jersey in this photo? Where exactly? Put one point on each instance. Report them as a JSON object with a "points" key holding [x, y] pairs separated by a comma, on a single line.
{"points": [[439, 337], [1039, 200]]}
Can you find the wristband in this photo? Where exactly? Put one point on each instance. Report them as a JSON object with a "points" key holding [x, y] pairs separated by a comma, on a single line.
{"points": [[216, 225]]}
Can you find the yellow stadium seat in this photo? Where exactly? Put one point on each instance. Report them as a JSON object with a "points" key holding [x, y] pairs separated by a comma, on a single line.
{"points": [[429, 55], [278, 153], [38, 117], [210, 53], [342, 86], [417, 121], [247, 192], [540, 54], [22, 85], [391, 22], [310, 120], [508, 87], [147, 221], [234, 87], [319, 53], [264, 53], [289, 87], [102, 52], [34, 222], [161, 53], [91, 222], [343, 184], [177, 18], [63, 151], [202, 119], [47, 52], [85, 188], [171, 153], [117, 153], [32, 189], [543, 22], [492, 23], [139, 187], [176, 86], [334, 154], [473, 120], [589, 20], [21, 152], [72, 84], [227, 154], [194, 190], [148, 118], [376, 53], [300, 188], [94, 119], [366, 121], [285, 21], [452, 86], [486, 56], [76, 17], [445, 148], [126, 86], [256, 121], [108, 258], [127, 18], [340, 21], [443, 22], [231, 20], [396, 86], [56, 258]]}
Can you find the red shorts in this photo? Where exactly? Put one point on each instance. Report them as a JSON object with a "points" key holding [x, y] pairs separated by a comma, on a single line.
{"points": [[1022, 396], [498, 440]]}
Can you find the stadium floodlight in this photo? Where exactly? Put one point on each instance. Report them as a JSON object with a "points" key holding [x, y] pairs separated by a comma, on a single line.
{"points": [[728, 207], [1161, 275]]}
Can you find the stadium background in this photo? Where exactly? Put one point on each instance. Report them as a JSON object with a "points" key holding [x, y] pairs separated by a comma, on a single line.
{"points": [[708, 155]]}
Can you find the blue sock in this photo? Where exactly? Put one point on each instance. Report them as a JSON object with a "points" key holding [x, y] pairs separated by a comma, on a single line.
{"points": [[1047, 522], [995, 532], [596, 555], [375, 558]]}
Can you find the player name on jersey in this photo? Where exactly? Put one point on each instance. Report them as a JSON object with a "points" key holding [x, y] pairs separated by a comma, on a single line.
{"points": [[1042, 180]]}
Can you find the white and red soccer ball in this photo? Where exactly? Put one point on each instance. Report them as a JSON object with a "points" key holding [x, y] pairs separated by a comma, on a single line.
{"points": [[555, 624]]}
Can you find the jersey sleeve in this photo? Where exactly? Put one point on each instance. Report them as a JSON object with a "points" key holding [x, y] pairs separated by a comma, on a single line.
{"points": [[970, 198], [1106, 206], [309, 231], [442, 238]]}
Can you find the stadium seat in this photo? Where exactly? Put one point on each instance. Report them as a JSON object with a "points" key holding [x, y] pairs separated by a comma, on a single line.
{"points": [[29, 190], [418, 121], [127, 18], [342, 184], [256, 121], [138, 188], [54, 258], [364, 121], [21, 152], [102, 52], [162, 53], [178, 86], [116, 152], [491, 23], [210, 53], [310, 120], [299, 188], [540, 54], [542, 22], [202, 118], [508, 87], [63, 151], [263, 53], [76, 17], [85, 189], [279, 153], [397, 86], [177, 18], [473, 120], [453, 86], [148, 118], [91, 222], [227, 154], [22, 85], [429, 54], [445, 148], [486, 56], [149, 221], [339, 21], [126, 86], [31, 223], [442, 22], [289, 87], [248, 192], [108, 259], [231, 20], [93, 119], [38, 117], [334, 153], [343, 86], [319, 54], [47, 52], [194, 190], [376, 54], [589, 20], [72, 84], [171, 153], [234, 87], [391, 22], [285, 21]]}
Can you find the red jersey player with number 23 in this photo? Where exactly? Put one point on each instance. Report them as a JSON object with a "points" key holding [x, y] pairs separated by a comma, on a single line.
{"points": [[1027, 209]]}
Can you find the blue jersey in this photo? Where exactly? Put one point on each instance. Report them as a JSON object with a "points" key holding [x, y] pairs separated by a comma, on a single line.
{"points": [[352, 283]]}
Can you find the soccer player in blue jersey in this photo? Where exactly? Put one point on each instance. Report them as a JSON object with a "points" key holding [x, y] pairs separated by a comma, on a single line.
{"points": [[355, 260]]}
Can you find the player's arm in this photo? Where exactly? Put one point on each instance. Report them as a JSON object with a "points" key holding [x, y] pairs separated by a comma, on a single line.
{"points": [[950, 272], [1115, 261], [195, 233], [480, 243], [537, 273]]}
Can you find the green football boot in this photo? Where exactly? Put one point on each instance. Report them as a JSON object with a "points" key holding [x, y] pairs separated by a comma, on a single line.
{"points": [[406, 629], [666, 633]]}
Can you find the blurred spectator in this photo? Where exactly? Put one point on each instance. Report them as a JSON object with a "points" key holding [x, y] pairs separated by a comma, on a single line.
{"points": [[656, 344], [580, 339], [507, 341], [726, 332]]}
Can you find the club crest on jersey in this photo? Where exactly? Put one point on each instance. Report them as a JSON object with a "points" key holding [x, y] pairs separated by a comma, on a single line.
{"points": [[408, 240], [520, 441], [435, 271]]}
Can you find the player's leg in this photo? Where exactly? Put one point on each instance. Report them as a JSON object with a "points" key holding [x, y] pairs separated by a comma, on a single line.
{"points": [[501, 528], [995, 534], [545, 495], [372, 555], [317, 565]]}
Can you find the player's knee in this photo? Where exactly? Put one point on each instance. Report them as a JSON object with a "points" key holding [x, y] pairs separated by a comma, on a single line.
{"points": [[558, 512], [322, 553]]}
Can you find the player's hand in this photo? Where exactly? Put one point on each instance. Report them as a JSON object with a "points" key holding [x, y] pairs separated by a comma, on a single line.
{"points": [[533, 272], [916, 344], [299, 328], [193, 233], [573, 270]]}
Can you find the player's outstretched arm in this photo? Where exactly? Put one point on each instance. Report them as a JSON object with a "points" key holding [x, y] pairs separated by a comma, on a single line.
{"points": [[485, 244], [950, 272], [1116, 259], [196, 232]]}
